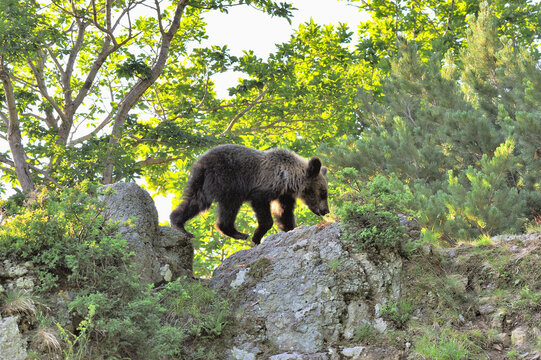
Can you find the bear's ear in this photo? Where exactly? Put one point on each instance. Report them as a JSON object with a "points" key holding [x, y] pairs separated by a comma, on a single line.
{"points": [[314, 165], [324, 170]]}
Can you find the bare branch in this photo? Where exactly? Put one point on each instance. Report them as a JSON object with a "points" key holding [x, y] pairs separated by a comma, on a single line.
{"points": [[244, 111], [66, 75], [88, 136], [206, 92], [269, 101], [273, 124], [158, 13], [157, 161], [449, 17], [40, 80]]}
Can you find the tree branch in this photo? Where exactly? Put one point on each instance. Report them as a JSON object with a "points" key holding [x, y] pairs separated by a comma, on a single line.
{"points": [[84, 138], [14, 132], [34, 168], [244, 111], [140, 87], [40, 80], [156, 161]]}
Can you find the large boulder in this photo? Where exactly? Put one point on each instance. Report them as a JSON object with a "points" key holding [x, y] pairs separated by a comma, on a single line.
{"points": [[304, 291], [161, 253], [12, 345]]}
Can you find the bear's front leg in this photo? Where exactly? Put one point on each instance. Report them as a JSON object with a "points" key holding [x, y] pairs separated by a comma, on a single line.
{"points": [[283, 211], [227, 213], [264, 219]]}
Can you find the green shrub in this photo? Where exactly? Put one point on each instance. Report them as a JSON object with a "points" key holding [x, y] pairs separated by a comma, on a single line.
{"points": [[385, 193], [75, 250], [201, 310], [65, 236], [398, 312], [365, 334], [371, 230]]}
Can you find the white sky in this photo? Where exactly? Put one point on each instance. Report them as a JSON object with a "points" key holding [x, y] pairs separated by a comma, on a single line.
{"points": [[245, 28]]}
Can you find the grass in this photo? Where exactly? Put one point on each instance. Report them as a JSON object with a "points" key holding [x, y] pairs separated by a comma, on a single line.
{"points": [[448, 345], [18, 302], [46, 340], [365, 334]]}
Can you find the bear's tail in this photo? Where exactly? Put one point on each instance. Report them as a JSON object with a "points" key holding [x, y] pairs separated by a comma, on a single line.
{"points": [[194, 189], [194, 200]]}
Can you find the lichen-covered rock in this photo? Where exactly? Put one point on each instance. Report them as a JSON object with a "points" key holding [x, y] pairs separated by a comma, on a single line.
{"points": [[303, 290], [154, 246], [297, 356], [12, 345], [17, 276], [519, 336], [174, 249]]}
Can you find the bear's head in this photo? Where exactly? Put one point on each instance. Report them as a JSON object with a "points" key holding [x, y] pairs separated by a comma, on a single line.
{"points": [[314, 191]]}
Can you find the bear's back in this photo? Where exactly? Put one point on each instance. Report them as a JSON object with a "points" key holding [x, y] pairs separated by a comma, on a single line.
{"points": [[229, 170], [241, 170]]}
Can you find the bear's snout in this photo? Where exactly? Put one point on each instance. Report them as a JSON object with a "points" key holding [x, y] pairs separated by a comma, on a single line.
{"points": [[319, 211]]}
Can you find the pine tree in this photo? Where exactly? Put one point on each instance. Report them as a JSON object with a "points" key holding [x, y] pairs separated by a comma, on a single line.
{"points": [[462, 130]]}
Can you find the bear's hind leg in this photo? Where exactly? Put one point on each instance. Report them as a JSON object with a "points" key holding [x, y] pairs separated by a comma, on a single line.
{"points": [[264, 219], [227, 213], [187, 209]]}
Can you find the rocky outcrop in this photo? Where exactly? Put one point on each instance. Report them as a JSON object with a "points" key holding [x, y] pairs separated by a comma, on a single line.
{"points": [[303, 292], [17, 276], [12, 345], [162, 253]]}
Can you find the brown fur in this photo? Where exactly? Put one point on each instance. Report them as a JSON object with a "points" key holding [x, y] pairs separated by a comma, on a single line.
{"points": [[230, 175]]}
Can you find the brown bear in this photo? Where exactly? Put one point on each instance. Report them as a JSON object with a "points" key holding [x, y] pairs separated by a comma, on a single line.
{"points": [[231, 175]]}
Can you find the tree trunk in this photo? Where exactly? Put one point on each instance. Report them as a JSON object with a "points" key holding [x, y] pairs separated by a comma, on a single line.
{"points": [[14, 134], [138, 90]]}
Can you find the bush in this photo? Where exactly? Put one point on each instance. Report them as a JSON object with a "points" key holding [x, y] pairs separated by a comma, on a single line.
{"points": [[365, 334], [201, 310], [65, 236], [398, 313], [446, 346], [371, 230], [381, 192], [368, 211], [74, 250]]}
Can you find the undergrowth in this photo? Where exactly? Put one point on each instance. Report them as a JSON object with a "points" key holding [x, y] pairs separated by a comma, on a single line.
{"points": [[82, 260]]}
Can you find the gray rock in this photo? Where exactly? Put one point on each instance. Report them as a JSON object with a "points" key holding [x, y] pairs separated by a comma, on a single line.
{"points": [[353, 353], [302, 289], [154, 246], [17, 271], [486, 309], [17, 275], [175, 249], [504, 339], [25, 283], [297, 356], [12, 345], [519, 336], [238, 354], [412, 227]]}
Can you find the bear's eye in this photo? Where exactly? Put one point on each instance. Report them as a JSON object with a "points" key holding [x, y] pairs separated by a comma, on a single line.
{"points": [[308, 192], [323, 194]]}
